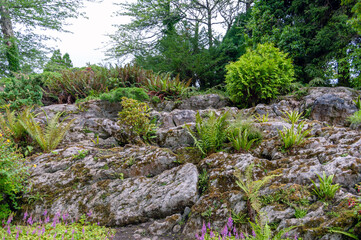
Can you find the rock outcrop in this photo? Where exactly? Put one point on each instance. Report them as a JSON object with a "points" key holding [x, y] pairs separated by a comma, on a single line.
{"points": [[157, 186]]}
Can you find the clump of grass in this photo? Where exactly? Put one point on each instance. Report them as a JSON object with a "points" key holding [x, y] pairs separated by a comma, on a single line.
{"points": [[61, 226], [291, 138], [355, 119]]}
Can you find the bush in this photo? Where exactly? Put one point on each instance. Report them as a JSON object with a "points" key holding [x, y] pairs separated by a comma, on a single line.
{"points": [[135, 117], [12, 175], [117, 94], [22, 92], [259, 75], [77, 83]]}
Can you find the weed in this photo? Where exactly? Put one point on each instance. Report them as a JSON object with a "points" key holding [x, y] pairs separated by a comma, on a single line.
{"points": [[326, 191]]}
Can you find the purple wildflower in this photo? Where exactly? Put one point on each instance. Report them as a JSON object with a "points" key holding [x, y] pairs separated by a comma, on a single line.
{"points": [[10, 219], [89, 213], [230, 223], [30, 220], [253, 233], [34, 231], [25, 215], [83, 230], [204, 229], [225, 231], [54, 235], [211, 234], [9, 231], [45, 212], [209, 225], [47, 220], [296, 237]]}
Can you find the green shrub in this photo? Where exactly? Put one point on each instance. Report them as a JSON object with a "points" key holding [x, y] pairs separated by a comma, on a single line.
{"points": [[136, 119], [128, 76], [76, 83], [355, 119], [48, 137], [326, 191], [116, 95], [22, 92], [211, 133], [12, 176], [259, 75], [164, 85]]}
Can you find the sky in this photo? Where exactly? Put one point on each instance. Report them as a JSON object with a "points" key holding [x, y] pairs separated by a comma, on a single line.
{"points": [[87, 43]]}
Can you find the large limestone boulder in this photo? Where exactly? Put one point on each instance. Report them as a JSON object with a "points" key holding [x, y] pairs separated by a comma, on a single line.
{"points": [[120, 186]]}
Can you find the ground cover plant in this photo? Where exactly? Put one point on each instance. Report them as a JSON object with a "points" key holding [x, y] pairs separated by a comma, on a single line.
{"points": [[13, 173], [117, 94], [60, 226]]}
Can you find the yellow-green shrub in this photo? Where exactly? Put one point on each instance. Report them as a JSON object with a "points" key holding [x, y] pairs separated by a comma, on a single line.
{"points": [[259, 75]]}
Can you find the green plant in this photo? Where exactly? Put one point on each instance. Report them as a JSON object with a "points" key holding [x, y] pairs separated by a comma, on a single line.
{"points": [[164, 85], [292, 116], [240, 218], [9, 122], [348, 234], [326, 191], [240, 140], [211, 132], [355, 119], [136, 119], [13, 173], [131, 161], [259, 75], [22, 92], [48, 137], [300, 212], [358, 102], [251, 189], [261, 118], [203, 182], [81, 154], [301, 93], [116, 95], [291, 138], [77, 83]]}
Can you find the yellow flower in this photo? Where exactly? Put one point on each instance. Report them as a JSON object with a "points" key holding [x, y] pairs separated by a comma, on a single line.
{"points": [[34, 165], [8, 140], [1, 135]]}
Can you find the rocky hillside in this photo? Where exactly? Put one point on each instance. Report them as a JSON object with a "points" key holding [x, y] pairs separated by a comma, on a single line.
{"points": [[157, 186]]}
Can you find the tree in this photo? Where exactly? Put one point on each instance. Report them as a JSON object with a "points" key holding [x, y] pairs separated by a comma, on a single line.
{"points": [[57, 62], [314, 33], [20, 46]]}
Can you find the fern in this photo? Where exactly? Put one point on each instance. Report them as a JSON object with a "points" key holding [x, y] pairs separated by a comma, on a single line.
{"points": [[10, 122], [211, 132], [251, 189], [51, 135]]}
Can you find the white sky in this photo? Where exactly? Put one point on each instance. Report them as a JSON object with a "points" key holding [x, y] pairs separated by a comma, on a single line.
{"points": [[87, 43]]}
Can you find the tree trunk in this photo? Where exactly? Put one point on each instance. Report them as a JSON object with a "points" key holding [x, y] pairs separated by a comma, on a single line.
{"points": [[209, 23], [12, 52]]}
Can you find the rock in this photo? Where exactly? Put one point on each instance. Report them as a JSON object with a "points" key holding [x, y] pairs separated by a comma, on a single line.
{"points": [[160, 228], [76, 186], [276, 216], [201, 102]]}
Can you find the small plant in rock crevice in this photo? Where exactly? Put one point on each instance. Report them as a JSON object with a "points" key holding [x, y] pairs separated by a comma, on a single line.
{"points": [[210, 134], [326, 190], [291, 138], [203, 182]]}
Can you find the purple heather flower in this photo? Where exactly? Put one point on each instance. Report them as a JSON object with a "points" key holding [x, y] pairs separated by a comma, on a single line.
{"points": [[230, 223], [45, 212], [89, 213], [10, 219], [25, 215]]}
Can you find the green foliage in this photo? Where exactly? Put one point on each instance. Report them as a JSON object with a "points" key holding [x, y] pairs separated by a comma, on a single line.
{"points": [[312, 33], [117, 94], [64, 228], [355, 119], [292, 116], [48, 137], [259, 75], [136, 119], [21, 92], [12, 176], [203, 182], [326, 191], [358, 102], [58, 62], [9, 122], [251, 188], [291, 138], [81, 154], [77, 83], [128, 76], [211, 133], [261, 118], [300, 212], [241, 140], [164, 85]]}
